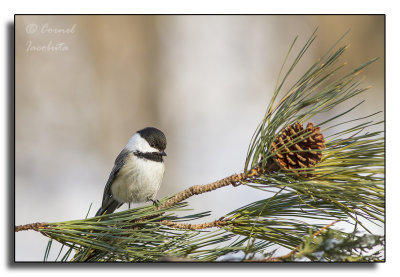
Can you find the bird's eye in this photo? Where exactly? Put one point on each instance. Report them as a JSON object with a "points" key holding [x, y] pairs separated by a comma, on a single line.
{"points": [[152, 145]]}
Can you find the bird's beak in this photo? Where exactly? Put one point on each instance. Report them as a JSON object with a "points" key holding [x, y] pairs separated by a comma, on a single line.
{"points": [[163, 153]]}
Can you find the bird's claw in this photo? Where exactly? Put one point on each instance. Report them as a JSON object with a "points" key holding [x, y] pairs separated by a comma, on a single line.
{"points": [[155, 202]]}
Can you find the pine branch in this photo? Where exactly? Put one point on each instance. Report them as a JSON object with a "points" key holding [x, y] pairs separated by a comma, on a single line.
{"points": [[291, 253], [235, 180]]}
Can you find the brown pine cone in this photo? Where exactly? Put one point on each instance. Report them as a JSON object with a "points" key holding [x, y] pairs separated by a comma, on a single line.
{"points": [[294, 148]]}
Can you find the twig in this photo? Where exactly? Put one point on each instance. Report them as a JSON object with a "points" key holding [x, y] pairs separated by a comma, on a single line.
{"points": [[32, 226], [234, 180], [217, 223]]}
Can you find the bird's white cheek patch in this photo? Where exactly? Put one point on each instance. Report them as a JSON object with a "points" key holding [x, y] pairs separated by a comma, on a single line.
{"points": [[137, 143]]}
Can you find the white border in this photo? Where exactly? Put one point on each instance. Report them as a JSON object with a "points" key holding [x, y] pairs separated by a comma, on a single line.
{"points": [[226, 7]]}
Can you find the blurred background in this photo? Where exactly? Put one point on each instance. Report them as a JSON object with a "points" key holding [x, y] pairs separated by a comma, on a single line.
{"points": [[85, 84]]}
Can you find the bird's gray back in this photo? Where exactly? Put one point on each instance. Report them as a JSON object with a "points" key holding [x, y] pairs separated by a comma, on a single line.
{"points": [[118, 164]]}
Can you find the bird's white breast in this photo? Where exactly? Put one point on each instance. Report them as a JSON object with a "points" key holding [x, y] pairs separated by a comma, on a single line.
{"points": [[138, 180]]}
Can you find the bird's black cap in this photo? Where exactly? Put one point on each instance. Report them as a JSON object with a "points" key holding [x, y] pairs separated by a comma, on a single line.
{"points": [[154, 137]]}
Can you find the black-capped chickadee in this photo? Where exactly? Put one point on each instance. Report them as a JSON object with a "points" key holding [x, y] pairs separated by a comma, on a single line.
{"points": [[138, 171]]}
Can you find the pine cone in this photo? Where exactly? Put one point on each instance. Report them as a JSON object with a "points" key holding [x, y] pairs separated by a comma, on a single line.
{"points": [[294, 148]]}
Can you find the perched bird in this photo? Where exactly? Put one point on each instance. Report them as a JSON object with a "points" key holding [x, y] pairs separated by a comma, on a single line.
{"points": [[138, 171]]}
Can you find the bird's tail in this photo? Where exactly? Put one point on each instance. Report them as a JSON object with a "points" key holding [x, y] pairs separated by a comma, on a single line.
{"points": [[109, 207]]}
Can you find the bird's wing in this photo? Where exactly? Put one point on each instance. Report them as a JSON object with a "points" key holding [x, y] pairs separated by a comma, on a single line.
{"points": [[119, 163]]}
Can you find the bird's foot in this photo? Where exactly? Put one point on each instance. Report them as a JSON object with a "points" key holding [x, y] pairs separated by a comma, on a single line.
{"points": [[155, 202]]}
